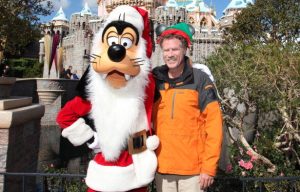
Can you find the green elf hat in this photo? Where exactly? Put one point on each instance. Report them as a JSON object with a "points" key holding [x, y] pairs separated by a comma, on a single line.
{"points": [[182, 29]]}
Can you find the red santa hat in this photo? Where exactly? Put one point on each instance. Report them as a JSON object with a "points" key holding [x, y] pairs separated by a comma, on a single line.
{"points": [[138, 17]]}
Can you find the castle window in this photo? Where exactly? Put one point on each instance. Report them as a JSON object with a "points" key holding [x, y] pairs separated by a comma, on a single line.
{"points": [[83, 25], [203, 22]]}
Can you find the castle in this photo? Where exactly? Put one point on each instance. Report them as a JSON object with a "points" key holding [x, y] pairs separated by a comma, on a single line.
{"points": [[68, 42]]}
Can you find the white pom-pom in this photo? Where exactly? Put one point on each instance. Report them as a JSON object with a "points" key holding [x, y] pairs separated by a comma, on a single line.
{"points": [[152, 142]]}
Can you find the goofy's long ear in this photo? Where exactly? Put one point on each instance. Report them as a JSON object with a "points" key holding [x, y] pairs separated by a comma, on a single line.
{"points": [[146, 31]]}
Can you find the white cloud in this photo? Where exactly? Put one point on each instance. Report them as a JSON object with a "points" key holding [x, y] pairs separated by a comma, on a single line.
{"points": [[60, 3], [92, 4]]}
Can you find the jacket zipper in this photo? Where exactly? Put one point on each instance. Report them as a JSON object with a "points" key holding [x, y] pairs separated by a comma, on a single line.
{"points": [[173, 105]]}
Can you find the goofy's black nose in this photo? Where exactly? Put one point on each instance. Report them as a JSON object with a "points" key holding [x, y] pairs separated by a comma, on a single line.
{"points": [[116, 52]]}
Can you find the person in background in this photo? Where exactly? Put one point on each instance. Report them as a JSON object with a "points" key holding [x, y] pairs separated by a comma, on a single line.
{"points": [[6, 71], [74, 75], [62, 73], [187, 118], [68, 73]]}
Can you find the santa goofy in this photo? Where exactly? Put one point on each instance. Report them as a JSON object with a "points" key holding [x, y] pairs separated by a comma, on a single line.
{"points": [[112, 112]]}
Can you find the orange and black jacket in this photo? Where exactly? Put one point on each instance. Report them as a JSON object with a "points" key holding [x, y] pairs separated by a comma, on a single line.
{"points": [[188, 121]]}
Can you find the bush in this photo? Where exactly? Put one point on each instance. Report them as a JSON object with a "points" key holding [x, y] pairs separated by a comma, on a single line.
{"points": [[25, 68], [264, 80]]}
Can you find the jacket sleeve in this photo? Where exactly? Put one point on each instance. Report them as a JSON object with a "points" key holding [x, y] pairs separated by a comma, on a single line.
{"points": [[212, 136], [72, 111], [212, 133]]}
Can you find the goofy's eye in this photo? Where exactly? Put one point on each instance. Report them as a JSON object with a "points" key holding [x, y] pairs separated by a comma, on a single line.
{"points": [[126, 42], [112, 40]]}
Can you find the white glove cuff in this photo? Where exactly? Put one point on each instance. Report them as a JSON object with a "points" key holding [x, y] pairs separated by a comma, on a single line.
{"points": [[78, 133]]}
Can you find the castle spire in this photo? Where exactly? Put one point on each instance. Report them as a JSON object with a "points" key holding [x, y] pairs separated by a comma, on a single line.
{"points": [[60, 16], [86, 10], [238, 4], [172, 3]]}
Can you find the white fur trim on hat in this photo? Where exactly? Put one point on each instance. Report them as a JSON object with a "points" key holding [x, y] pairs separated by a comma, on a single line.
{"points": [[152, 142], [128, 14], [78, 133], [116, 178]]}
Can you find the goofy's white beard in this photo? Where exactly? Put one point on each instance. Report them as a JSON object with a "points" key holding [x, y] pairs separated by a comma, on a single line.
{"points": [[117, 113]]}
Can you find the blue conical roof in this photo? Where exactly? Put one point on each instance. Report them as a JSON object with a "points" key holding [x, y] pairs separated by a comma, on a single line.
{"points": [[191, 6], [238, 4], [203, 7], [172, 3], [86, 10], [60, 16]]}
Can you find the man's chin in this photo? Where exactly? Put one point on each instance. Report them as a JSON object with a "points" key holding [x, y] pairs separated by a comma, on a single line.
{"points": [[173, 65]]}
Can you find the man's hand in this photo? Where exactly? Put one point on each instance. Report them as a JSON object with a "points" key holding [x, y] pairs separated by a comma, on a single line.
{"points": [[205, 181]]}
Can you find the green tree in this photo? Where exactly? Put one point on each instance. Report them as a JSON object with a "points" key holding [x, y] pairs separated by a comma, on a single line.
{"points": [[19, 23], [267, 21], [257, 71]]}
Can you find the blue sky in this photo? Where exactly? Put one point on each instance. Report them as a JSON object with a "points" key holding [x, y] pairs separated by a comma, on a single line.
{"points": [[72, 6]]}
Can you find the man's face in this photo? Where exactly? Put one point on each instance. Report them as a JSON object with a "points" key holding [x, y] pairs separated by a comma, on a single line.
{"points": [[173, 53]]}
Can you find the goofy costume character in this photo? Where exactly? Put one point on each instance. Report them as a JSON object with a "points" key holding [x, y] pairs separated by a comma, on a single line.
{"points": [[117, 93]]}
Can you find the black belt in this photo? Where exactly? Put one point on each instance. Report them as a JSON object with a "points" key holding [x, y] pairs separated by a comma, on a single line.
{"points": [[136, 142]]}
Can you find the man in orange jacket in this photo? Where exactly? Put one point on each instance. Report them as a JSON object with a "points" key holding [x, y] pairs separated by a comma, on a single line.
{"points": [[187, 118]]}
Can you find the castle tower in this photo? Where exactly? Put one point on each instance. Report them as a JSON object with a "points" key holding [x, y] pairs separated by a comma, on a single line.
{"points": [[106, 6], [102, 12], [77, 44], [54, 32], [230, 12], [202, 17], [59, 24]]}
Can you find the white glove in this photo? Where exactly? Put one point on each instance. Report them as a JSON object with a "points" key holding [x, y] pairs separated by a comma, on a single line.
{"points": [[95, 145], [78, 133]]}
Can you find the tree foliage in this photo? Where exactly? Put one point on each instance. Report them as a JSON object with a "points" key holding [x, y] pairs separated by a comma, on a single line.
{"points": [[19, 22], [268, 21], [257, 71]]}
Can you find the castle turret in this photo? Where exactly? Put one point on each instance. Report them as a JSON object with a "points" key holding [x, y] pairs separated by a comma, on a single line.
{"points": [[202, 17], [54, 32], [230, 12], [77, 44]]}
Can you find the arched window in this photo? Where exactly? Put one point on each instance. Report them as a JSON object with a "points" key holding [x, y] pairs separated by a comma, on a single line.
{"points": [[203, 22]]}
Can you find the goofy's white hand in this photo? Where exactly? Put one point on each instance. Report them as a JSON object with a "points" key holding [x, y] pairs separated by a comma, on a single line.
{"points": [[78, 133]]}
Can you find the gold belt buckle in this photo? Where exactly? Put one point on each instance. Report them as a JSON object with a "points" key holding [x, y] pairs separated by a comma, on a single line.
{"points": [[137, 142]]}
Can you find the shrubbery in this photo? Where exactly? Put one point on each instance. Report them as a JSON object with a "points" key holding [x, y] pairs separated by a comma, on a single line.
{"points": [[25, 68]]}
